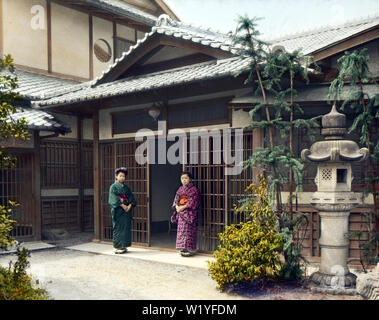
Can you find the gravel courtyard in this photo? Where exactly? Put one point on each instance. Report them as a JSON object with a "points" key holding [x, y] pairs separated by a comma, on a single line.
{"points": [[77, 275]]}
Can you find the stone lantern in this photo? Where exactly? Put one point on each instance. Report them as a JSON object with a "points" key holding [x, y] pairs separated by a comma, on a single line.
{"points": [[334, 198]]}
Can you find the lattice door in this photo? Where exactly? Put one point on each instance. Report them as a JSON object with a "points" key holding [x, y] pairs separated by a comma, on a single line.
{"points": [[122, 154], [218, 190]]}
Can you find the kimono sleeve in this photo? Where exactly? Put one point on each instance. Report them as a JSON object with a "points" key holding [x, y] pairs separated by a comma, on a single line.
{"points": [[113, 200], [130, 195], [194, 199], [176, 199]]}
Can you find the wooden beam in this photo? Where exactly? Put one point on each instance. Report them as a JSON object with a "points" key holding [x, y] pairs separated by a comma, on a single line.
{"points": [[114, 40], [96, 179], [175, 92], [1, 28], [37, 186], [149, 55], [103, 15], [80, 168], [91, 71], [49, 45], [346, 44], [132, 59], [144, 6]]}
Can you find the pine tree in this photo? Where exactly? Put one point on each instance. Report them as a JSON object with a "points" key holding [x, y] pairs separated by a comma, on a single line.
{"points": [[354, 70], [267, 72]]}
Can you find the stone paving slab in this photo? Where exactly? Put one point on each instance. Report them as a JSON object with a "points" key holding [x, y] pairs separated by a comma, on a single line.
{"points": [[31, 246], [156, 255]]}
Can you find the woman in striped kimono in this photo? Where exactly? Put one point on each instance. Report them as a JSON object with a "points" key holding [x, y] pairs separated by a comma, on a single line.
{"points": [[186, 203]]}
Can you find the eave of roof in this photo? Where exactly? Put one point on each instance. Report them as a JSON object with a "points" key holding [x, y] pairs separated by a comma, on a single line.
{"points": [[35, 87], [311, 93], [120, 8], [316, 40], [40, 120], [169, 78]]}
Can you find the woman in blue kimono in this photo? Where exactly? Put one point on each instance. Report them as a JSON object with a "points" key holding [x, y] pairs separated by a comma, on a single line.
{"points": [[122, 201]]}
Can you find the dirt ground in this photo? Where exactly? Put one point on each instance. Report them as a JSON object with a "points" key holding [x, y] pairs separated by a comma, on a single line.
{"points": [[76, 275]]}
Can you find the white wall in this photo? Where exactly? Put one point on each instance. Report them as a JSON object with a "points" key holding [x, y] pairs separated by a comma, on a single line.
{"points": [[87, 129], [125, 32], [27, 45], [70, 41], [102, 29]]}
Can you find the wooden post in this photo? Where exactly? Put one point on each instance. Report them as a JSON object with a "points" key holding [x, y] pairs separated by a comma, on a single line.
{"points": [[80, 175], [37, 186], [96, 178], [114, 41], [90, 23], [49, 45]]}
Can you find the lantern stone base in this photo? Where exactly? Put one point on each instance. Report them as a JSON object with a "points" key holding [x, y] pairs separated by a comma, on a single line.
{"points": [[327, 280], [334, 275], [326, 283]]}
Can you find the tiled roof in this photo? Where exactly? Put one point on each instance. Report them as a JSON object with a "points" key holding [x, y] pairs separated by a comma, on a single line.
{"points": [[169, 27], [37, 87], [309, 42], [315, 40], [201, 71], [40, 120], [207, 70], [124, 9]]}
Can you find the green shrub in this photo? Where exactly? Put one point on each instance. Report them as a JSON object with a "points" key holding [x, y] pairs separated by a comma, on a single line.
{"points": [[16, 284], [250, 249], [6, 225]]}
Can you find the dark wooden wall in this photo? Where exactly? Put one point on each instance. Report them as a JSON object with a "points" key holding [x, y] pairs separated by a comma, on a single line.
{"points": [[67, 165]]}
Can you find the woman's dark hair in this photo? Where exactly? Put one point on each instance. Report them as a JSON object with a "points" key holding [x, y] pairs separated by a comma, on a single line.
{"points": [[189, 174], [122, 169]]}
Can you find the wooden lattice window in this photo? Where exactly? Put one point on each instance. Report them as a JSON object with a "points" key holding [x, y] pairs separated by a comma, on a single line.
{"points": [[59, 164], [87, 165], [60, 213], [16, 184]]}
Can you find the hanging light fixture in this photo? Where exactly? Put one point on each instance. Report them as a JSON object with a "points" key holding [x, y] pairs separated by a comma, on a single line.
{"points": [[154, 112]]}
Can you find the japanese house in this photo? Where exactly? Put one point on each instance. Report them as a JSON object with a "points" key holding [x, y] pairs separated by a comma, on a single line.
{"points": [[191, 78]]}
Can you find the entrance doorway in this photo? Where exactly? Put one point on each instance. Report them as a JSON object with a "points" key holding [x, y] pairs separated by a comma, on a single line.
{"points": [[164, 181]]}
